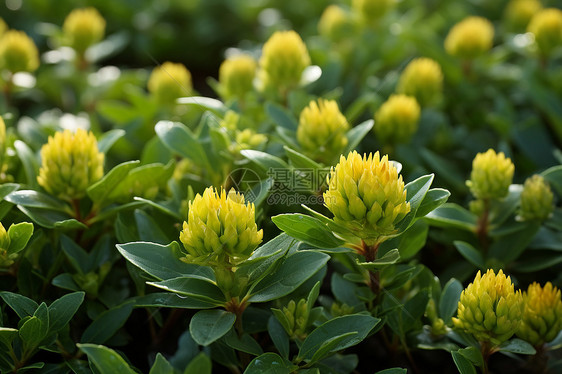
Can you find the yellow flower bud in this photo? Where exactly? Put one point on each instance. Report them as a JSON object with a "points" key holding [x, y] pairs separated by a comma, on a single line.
{"points": [[334, 23], [4, 239], [536, 199], [236, 76], [518, 13], [248, 139], [422, 79], [322, 130], [546, 25], [372, 10], [284, 58], [397, 119], [542, 315], [18, 52], [6, 259], [83, 28], [169, 82], [491, 175], [489, 308], [70, 164], [220, 230], [366, 196], [470, 38]]}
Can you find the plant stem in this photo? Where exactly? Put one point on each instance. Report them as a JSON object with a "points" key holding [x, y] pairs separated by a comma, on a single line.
{"points": [[482, 226], [370, 254]]}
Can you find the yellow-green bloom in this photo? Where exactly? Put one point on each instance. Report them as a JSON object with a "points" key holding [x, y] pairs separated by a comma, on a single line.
{"points": [[397, 119], [536, 199], [366, 196], [334, 23], [422, 79], [491, 175], [220, 230], [169, 82], [371, 10], [295, 318], [236, 76], [322, 130], [284, 58], [542, 316], [546, 25], [518, 13], [70, 164], [470, 38], [18, 52], [489, 308], [248, 139], [6, 260], [83, 27]]}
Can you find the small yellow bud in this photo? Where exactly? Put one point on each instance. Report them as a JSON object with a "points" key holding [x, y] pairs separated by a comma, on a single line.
{"points": [[169, 82], [366, 195], [4, 239], [491, 175], [18, 52], [518, 13], [536, 199], [322, 130], [546, 25], [372, 10], [236, 76], [422, 79], [70, 164], [83, 28], [489, 308], [335, 23], [6, 260], [470, 38], [284, 58], [542, 316], [397, 119], [220, 230], [248, 139]]}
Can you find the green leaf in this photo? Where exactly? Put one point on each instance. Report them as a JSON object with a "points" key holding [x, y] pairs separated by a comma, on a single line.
{"points": [[34, 199], [161, 366], [264, 160], [393, 371], [76, 255], [473, 354], [471, 254], [356, 134], [197, 287], [269, 363], [178, 138], [278, 336], [148, 228], [509, 247], [19, 234], [415, 194], [434, 198], [62, 310], [245, 343], [307, 229], [106, 360], [301, 161], [170, 300], [292, 272], [448, 303], [200, 364], [23, 306], [389, 258], [29, 162], [517, 346], [413, 240], [106, 141], [52, 219], [141, 179], [107, 324], [160, 261], [353, 327], [7, 188], [7, 335], [451, 215], [205, 103], [32, 332], [206, 326], [99, 191], [281, 117], [463, 364]]}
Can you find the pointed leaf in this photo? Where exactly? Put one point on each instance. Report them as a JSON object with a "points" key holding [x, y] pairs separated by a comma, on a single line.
{"points": [[206, 326]]}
